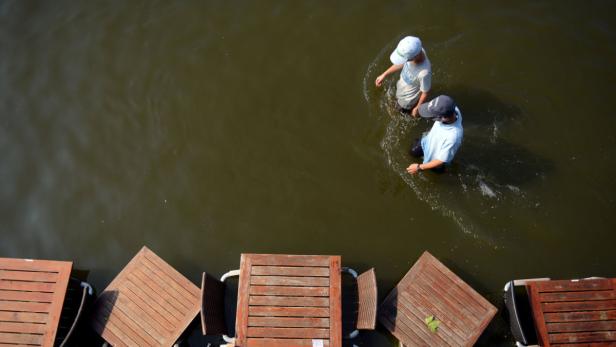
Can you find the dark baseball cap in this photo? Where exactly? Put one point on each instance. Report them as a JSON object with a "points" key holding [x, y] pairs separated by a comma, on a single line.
{"points": [[441, 106]]}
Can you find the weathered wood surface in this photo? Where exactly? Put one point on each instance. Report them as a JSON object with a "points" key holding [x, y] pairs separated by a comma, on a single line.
{"points": [[148, 304], [31, 298], [430, 289], [289, 300], [571, 312], [367, 297]]}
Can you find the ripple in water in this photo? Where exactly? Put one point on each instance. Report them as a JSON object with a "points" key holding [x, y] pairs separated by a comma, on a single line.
{"points": [[471, 193]]}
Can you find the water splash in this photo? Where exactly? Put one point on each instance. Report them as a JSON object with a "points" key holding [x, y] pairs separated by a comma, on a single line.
{"points": [[463, 194]]}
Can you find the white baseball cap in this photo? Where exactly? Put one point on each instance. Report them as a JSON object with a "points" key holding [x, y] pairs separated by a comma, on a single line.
{"points": [[407, 49]]}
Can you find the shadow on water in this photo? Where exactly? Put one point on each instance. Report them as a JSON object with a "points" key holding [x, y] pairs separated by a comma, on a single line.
{"points": [[487, 159], [490, 174], [501, 162]]}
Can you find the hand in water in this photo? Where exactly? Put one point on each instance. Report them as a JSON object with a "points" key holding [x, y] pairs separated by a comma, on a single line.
{"points": [[413, 169], [379, 80], [415, 112]]}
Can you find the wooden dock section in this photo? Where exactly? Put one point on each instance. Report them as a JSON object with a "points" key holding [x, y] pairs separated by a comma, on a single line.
{"points": [[31, 298], [148, 304], [574, 312], [289, 300], [430, 289]]}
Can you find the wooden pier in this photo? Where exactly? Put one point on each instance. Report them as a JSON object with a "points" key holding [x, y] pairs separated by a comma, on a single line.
{"points": [[31, 298]]}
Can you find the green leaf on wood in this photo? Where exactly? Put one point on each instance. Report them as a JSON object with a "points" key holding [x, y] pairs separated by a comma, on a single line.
{"points": [[432, 323]]}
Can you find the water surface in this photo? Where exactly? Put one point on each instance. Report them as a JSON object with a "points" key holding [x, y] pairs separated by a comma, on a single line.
{"points": [[204, 129]]}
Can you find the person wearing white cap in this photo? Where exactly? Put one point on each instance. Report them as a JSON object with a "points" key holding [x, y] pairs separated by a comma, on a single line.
{"points": [[440, 145], [416, 76]]}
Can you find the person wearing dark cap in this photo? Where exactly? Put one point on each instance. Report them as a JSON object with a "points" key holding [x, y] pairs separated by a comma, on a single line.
{"points": [[416, 76], [440, 145]]}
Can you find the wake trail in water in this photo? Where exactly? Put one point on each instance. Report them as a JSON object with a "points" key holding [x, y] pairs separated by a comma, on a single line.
{"points": [[400, 130]]}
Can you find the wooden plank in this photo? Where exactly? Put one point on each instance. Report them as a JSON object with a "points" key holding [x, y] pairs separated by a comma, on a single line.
{"points": [[577, 296], [289, 260], [539, 319], [26, 317], [417, 306], [24, 339], [572, 285], [27, 286], [21, 306], [101, 326], [290, 281], [335, 298], [290, 271], [580, 316], [155, 289], [11, 295], [152, 293], [265, 342], [576, 311], [596, 305], [451, 329], [288, 322], [32, 276], [288, 311], [406, 322], [186, 286], [153, 310], [121, 323], [241, 317], [173, 285], [100, 322], [406, 328], [167, 288], [111, 332], [310, 333], [22, 328], [288, 301], [289, 291], [597, 336], [581, 326], [285, 297], [453, 305], [446, 302], [32, 264], [389, 318], [463, 292], [155, 293], [134, 263], [141, 319]]}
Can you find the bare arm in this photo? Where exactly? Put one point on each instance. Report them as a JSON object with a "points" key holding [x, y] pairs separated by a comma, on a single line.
{"points": [[415, 167], [392, 69], [422, 98]]}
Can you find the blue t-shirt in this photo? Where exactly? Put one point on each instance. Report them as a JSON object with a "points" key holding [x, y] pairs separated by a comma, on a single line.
{"points": [[443, 140]]}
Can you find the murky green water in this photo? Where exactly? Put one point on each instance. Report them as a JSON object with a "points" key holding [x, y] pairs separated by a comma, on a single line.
{"points": [[205, 129]]}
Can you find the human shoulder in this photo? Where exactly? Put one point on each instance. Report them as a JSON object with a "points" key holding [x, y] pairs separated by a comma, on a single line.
{"points": [[426, 65], [423, 73]]}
